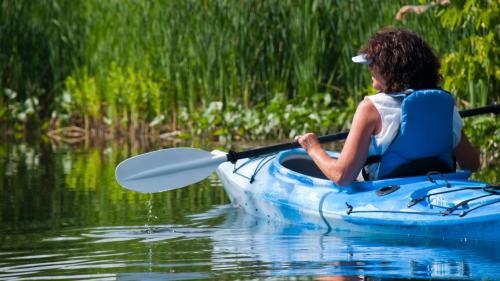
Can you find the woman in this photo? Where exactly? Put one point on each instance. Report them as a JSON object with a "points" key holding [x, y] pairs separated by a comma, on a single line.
{"points": [[399, 61]]}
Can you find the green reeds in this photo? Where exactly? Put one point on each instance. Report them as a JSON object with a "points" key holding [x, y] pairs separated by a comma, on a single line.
{"points": [[143, 66]]}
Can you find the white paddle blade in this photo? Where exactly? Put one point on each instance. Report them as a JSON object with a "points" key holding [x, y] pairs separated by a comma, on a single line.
{"points": [[166, 169]]}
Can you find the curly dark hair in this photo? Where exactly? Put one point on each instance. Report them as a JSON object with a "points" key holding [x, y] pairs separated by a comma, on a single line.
{"points": [[403, 59]]}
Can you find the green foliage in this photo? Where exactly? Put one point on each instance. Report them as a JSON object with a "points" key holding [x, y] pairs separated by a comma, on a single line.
{"points": [[236, 69], [125, 94], [280, 118], [484, 133], [39, 46], [198, 51], [472, 65], [479, 127]]}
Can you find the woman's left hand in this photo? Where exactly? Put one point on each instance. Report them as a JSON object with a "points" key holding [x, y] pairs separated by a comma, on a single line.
{"points": [[308, 141]]}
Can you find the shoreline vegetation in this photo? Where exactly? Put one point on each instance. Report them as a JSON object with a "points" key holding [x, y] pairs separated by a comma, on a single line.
{"points": [[229, 70]]}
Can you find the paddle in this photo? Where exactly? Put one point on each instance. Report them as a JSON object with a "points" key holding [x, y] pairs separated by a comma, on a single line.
{"points": [[173, 168]]}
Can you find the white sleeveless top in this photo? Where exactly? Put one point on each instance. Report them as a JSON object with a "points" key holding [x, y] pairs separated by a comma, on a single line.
{"points": [[389, 108]]}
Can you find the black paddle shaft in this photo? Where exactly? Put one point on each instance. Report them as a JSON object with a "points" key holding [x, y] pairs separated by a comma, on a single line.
{"points": [[494, 108], [233, 156]]}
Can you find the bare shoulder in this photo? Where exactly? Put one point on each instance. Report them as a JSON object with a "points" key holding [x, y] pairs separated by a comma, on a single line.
{"points": [[367, 110], [367, 117]]}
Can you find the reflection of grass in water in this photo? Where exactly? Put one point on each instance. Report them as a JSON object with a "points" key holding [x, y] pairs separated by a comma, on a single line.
{"points": [[77, 187]]}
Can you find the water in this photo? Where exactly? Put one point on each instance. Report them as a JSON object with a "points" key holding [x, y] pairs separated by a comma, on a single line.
{"points": [[63, 217]]}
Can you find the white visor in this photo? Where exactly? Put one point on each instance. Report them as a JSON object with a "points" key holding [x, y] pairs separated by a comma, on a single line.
{"points": [[362, 59]]}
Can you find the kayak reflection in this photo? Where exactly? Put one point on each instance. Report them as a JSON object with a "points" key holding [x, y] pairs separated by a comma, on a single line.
{"points": [[292, 250]]}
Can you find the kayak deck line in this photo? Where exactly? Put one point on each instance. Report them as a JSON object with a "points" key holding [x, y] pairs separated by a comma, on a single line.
{"points": [[285, 187], [463, 203], [350, 210], [464, 213], [261, 164], [418, 199], [447, 212], [320, 210], [491, 190]]}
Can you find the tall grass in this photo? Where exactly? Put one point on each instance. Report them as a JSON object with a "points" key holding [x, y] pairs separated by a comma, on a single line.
{"points": [[141, 65]]}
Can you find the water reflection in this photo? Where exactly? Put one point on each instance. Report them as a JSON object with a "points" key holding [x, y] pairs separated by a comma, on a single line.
{"points": [[292, 250], [225, 243], [62, 216]]}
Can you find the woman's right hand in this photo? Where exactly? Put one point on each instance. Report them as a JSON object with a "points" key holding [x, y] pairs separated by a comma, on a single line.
{"points": [[308, 141]]}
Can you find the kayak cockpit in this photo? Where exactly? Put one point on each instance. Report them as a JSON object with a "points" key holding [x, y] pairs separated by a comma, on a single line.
{"points": [[303, 164], [296, 165]]}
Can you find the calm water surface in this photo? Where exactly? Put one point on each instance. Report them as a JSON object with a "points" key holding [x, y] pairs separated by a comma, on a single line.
{"points": [[63, 217]]}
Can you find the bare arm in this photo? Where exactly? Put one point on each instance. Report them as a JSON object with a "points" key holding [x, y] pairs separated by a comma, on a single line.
{"points": [[355, 151], [467, 155]]}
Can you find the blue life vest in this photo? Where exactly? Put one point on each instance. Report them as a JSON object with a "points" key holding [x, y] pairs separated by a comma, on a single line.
{"points": [[425, 139]]}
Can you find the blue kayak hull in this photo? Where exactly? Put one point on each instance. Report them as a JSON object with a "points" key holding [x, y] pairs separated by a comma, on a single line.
{"points": [[438, 205]]}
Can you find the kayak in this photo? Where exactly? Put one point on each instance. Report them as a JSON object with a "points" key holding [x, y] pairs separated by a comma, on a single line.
{"points": [[288, 187]]}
